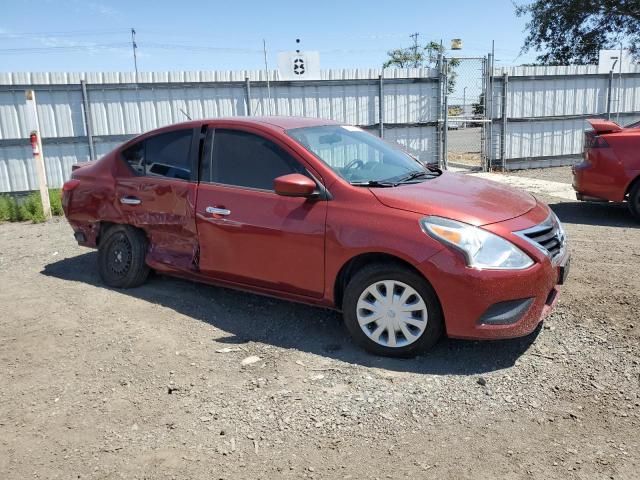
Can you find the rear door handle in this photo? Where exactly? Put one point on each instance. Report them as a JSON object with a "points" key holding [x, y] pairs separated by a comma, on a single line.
{"points": [[218, 211], [130, 201]]}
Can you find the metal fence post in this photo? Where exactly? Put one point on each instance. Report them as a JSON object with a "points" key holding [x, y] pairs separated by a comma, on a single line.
{"points": [[247, 91], [438, 111], [483, 106], [445, 108], [488, 112], [503, 136], [87, 119], [381, 104], [609, 94]]}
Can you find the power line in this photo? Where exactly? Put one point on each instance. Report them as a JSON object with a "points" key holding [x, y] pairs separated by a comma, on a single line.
{"points": [[25, 50], [75, 33], [178, 46]]}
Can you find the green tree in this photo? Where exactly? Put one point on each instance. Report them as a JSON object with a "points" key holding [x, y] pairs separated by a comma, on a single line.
{"points": [[422, 56], [478, 108], [573, 31], [415, 57]]}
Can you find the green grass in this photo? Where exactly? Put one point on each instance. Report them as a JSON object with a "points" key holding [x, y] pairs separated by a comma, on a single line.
{"points": [[29, 208], [55, 199]]}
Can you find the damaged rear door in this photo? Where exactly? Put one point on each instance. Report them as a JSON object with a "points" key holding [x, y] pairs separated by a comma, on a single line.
{"points": [[159, 196]]}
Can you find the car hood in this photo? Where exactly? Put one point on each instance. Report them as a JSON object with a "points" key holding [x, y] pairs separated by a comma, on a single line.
{"points": [[459, 197]]}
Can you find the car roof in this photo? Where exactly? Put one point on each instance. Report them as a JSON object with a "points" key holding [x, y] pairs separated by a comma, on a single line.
{"points": [[278, 122], [270, 122], [290, 122]]}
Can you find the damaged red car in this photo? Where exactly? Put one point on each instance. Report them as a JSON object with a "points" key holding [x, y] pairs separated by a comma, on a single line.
{"points": [[610, 169], [326, 214]]}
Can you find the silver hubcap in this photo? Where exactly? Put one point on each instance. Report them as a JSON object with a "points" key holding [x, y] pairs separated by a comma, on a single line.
{"points": [[392, 313]]}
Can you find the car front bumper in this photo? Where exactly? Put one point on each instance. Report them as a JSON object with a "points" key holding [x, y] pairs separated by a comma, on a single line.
{"points": [[495, 304]]}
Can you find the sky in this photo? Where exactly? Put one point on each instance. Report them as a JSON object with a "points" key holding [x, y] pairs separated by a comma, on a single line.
{"points": [[94, 35]]}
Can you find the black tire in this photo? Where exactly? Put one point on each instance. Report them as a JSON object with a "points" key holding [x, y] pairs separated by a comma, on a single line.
{"points": [[121, 257], [634, 200], [368, 276]]}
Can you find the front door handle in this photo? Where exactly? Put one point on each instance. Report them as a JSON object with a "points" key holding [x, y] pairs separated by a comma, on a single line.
{"points": [[218, 211], [130, 201]]}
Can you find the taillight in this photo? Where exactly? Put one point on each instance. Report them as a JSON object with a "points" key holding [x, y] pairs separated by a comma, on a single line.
{"points": [[591, 140], [70, 185]]}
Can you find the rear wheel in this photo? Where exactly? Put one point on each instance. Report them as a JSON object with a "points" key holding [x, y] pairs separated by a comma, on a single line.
{"points": [[121, 257], [390, 310], [634, 200]]}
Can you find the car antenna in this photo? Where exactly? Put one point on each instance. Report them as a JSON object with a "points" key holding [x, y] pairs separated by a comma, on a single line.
{"points": [[185, 113]]}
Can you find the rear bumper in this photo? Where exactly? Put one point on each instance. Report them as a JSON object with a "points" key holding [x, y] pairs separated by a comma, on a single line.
{"points": [[85, 227], [589, 198], [86, 234], [599, 178], [580, 179]]}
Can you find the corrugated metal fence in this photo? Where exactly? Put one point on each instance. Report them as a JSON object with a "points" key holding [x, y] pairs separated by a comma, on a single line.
{"points": [[113, 107], [540, 124], [546, 108]]}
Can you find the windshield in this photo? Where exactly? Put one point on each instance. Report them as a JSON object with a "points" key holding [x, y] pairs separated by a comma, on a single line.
{"points": [[633, 125], [359, 157]]}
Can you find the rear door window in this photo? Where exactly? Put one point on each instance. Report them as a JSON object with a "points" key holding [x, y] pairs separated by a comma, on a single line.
{"points": [[247, 160], [168, 155], [165, 155]]}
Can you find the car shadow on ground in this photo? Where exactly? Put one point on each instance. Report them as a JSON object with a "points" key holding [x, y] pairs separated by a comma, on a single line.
{"points": [[253, 318], [594, 213]]}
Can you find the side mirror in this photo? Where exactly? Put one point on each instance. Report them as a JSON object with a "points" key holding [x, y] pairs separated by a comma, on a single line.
{"points": [[294, 185]]}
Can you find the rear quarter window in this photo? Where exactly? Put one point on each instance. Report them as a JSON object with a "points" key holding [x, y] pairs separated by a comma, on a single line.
{"points": [[134, 156]]}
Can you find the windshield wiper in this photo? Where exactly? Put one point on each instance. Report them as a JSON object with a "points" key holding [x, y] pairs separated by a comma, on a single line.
{"points": [[373, 183], [417, 174], [431, 173]]}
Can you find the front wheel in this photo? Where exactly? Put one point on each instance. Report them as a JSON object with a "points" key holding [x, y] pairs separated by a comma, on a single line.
{"points": [[390, 310], [121, 257]]}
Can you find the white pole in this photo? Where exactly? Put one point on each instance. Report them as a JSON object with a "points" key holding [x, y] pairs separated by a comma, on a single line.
{"points": [[38, 156], [464, 107], [266, 71], [619, 87]]}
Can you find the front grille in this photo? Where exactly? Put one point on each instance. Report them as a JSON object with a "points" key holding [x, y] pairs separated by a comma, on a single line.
{"points": [[548, 236]]}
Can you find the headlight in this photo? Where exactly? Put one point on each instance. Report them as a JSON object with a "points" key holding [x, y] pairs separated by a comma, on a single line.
{"points": [[563, 234], [481, 248]]}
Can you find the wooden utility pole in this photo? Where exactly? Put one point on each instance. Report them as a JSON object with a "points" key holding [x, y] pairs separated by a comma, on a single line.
{"points": [[414, 48], [36, 149], [134, 45]]}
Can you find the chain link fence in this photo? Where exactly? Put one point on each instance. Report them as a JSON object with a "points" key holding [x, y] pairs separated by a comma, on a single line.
{"points": [[466, 125]]}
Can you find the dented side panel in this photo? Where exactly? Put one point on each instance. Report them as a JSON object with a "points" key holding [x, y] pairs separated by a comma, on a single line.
{"points": [[166, 213]]}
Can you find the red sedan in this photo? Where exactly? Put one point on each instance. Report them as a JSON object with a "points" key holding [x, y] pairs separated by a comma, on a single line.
{"points": [[610, 170], [325, 214]]}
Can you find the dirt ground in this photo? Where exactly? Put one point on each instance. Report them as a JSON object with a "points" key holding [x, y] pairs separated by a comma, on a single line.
{"points": [[553, 174], [149, 383]]}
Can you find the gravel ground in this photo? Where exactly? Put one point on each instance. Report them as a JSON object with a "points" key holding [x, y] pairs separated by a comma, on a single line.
{"points": [[553, 174], [185, 381]]}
